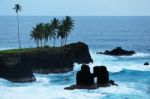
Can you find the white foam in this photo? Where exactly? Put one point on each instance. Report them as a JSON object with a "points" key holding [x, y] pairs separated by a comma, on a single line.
{"points": [[38, 91], [45, 89], [114, 65], [138, 54]]}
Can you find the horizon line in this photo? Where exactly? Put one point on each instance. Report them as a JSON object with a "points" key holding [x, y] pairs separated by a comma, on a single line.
{"points": [[80, 16]]}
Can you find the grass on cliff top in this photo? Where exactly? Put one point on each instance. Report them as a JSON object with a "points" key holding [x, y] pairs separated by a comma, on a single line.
{"points": [[24, 50]]}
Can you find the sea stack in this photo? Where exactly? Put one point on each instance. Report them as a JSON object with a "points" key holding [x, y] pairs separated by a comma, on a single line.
{"points": [[102, 75]]}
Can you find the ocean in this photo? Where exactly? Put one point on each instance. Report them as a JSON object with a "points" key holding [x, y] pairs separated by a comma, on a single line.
{"points": [[100, 33]]}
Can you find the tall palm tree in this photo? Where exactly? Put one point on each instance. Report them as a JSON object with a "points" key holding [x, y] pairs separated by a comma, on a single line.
{"points": [[41, 30], [65, 29], [17, 8], [34, 35], [47, 32], [38, 34], [54, 24], [61, 32], [69, 24]]}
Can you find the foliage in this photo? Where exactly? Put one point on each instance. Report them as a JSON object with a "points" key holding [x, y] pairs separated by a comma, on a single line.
{"points": [[43, 32], [17, 8]]}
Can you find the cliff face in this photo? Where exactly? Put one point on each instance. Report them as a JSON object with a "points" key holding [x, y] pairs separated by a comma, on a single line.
{"points": [[20, 66]]}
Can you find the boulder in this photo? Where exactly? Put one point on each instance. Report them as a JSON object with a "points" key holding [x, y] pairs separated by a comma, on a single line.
{"points": [[84, 76], [102, 75], [16, 72], [146, 63], [83, 82], [118, 52]]}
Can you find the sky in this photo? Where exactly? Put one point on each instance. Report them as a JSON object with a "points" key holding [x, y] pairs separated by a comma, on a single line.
{"points": [[77, 7]]}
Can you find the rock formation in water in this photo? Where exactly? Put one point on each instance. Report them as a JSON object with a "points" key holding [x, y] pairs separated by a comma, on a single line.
{"points": [[83, 80], [146, 63], [84, 76], [118, 52], [102, 75], [19, 67]]}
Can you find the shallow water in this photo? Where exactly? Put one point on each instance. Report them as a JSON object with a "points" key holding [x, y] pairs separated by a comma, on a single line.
{"points": [[99, 33]]}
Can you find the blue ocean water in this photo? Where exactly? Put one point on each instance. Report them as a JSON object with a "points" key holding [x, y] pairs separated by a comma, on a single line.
{"points": [[100, 33]]}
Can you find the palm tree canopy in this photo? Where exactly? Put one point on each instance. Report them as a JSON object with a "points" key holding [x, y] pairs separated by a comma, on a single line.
{"points": [[48, 30], [66, 26], [54, 26], [61, 32], [17, 8], [37, 32], [55, 23], [69, 23]]}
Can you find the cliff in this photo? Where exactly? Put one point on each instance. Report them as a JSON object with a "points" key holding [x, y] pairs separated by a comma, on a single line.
{"points": [[19, 65]]}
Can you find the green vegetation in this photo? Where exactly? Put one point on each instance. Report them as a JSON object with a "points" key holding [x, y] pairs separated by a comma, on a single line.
{"points": [[17, 8], [32, 50], [65, 28], [55, 26], [43, 32], [11, 51]]}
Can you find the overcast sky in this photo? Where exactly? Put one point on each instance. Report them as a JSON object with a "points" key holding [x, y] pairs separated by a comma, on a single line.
{"points": [[77, 7]]}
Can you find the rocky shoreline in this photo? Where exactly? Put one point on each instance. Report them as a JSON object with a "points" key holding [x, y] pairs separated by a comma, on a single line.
{"points": [[20, 66], [118, 52]]}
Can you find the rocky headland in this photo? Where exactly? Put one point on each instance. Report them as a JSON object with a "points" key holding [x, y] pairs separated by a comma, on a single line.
{"points": [[19, 65]]}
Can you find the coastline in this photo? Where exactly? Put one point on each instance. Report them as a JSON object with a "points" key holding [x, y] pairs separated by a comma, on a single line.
{"points": [[43, 61]]}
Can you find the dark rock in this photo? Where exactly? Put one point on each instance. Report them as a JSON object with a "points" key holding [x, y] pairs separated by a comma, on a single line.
{"points": [[19, 67], [102, 75], [84, 76], [117, 52], [72, 87], [91, 87], [16, 73], [112, 82], [58, 60], [83, 79], [146, 63], [80, 52], [1, 62]]}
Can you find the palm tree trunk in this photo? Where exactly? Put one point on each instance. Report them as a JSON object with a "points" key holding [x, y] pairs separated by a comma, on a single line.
{"points": [[41, 42], [18, 32], [45, 42], [61, 42], [65, 40], [54, 41], [37, 43]]}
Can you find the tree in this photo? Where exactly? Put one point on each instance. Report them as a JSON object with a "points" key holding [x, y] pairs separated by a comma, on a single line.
{"points": [[69, 24], [41, 30], [54, 29], [34, 35], [61, 33], [38, 34], [47, 32], [17, 8], [65, 29], [54, 25]]}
